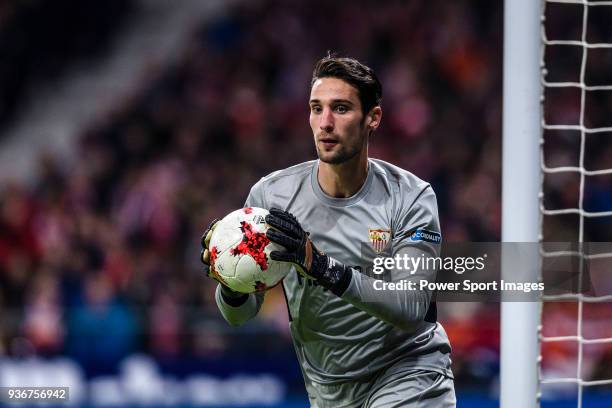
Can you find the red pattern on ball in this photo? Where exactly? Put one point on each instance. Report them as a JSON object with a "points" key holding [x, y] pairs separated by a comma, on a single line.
{"points": [[213, 254], [253, 243]]}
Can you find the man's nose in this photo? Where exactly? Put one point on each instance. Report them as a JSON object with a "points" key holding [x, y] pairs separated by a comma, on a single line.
{"points": [[327, 120]]}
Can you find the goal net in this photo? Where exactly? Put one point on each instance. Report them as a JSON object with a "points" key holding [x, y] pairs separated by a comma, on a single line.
{"points": [[575, 335]]}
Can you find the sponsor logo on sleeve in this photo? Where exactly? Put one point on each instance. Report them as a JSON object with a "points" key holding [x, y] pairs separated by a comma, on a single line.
{"points": [[426, 235]]}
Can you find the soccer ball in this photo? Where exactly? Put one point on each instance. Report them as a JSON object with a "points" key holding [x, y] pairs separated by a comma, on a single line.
{"points": [[240, 252]]}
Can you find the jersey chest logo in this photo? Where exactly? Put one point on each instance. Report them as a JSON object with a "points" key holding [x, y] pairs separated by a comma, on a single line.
{"points": [[379, 238]]}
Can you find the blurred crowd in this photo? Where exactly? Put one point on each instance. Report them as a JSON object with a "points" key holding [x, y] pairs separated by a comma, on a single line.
{"points": [[39, 39], [102, 253]]}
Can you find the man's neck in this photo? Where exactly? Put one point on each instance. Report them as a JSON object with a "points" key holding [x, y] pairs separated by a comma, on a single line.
{"points": [[345, 179]]}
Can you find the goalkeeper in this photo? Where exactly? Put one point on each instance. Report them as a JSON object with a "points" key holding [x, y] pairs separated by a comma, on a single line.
{"points": [[357, 347]]}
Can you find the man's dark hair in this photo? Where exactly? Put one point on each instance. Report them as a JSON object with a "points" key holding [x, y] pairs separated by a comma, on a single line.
{"points": [[355, 73]]}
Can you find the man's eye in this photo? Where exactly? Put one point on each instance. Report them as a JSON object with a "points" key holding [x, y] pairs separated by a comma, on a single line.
{"points": [[341, 109], [315, 109]]}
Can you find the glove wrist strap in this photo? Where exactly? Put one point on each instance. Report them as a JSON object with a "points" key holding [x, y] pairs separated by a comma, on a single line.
{"points": [[332, 274]]}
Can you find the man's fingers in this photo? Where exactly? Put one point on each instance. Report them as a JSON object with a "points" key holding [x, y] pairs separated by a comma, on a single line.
{"points": [[283, 225], [285, 215], [205, 256], [277, 212], [279, 223], [207, 235], [212, 224], [282, 256], [282, 239]]}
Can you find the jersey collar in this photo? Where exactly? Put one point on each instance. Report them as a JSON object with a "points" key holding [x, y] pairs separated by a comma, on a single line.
{"points": [[340, 202]]}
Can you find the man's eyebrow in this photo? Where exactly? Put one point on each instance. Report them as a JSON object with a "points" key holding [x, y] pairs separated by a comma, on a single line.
{"points": [[345, 101]]}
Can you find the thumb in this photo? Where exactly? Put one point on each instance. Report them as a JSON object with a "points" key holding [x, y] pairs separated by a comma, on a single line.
{"points": [[205, 256]]}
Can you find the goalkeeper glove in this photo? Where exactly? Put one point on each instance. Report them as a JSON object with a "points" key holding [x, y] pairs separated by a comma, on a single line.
{"points": [[301, 252], [230, 296]]}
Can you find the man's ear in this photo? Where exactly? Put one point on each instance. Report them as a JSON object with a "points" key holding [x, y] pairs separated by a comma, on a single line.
{"points": [[374, 117]]}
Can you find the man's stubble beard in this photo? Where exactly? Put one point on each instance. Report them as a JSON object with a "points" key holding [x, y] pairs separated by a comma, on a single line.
{"points": [[342, 156]]}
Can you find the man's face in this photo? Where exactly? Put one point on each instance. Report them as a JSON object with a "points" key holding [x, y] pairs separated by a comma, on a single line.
{"points": [[336, 120]]}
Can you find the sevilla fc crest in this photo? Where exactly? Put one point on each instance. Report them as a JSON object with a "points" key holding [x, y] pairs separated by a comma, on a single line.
{"points": [[379, 238]]}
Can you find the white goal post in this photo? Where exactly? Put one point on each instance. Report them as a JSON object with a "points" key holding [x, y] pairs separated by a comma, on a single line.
{"points": [[524, 168], [520, 188]]}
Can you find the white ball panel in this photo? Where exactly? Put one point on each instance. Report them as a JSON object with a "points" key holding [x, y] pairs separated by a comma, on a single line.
{"points": [[247, 272], [225, 264], [241, 272]]}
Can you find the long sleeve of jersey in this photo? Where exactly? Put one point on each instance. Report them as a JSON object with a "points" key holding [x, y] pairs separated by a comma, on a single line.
{"points": [[237, 315], [412, 236]]}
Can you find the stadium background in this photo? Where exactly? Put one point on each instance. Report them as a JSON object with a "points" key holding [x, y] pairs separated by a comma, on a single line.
{"points": [[100, 284]]}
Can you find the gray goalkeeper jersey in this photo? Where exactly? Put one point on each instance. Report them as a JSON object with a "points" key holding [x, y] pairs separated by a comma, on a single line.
{"points": [[355, 338]]}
